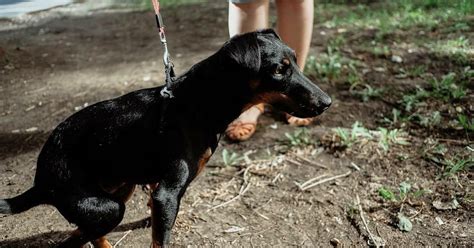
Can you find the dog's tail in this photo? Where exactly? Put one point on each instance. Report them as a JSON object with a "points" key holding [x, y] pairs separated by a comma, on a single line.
{"points": [[20, 203]]}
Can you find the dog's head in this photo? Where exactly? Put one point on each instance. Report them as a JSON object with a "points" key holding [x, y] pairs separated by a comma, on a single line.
{"points": [[277, 78]]}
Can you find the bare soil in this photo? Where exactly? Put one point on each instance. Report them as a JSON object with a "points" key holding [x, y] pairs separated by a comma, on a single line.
{"points": [[51, 70]]}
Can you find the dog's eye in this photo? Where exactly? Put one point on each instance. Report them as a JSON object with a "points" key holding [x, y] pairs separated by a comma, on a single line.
{"points": [[279, 70]]}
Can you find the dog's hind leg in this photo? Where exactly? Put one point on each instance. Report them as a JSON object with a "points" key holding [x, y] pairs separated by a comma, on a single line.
{"points": [[94, 214], [165, 203], [123, 193]]}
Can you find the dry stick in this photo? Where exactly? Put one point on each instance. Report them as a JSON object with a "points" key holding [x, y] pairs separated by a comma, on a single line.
{"points": [[122, 238], [361, 213], [293, 161], [231, 200], [355, 166], [301, 186], [241, 191], [311, 162], [327, 180]]}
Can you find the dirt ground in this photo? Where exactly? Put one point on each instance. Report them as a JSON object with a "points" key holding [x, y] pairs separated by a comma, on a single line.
{"points": [[51, 70]]}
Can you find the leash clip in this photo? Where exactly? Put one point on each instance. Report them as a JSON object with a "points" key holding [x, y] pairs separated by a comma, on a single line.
{"points": [[166, 93]]}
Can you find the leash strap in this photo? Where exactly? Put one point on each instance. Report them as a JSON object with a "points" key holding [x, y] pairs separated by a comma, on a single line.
{"points": [[169, 67]]}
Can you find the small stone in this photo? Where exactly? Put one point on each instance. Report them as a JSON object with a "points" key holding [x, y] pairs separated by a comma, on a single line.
{"points": [[397, 59], [379, 69], [439, 220], [459, 109], [335, 242]]}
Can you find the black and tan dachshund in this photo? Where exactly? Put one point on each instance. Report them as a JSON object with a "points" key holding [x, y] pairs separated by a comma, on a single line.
{"points": [[89, 166]]}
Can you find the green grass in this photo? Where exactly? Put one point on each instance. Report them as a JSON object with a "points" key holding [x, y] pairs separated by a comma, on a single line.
{"points": [[456, 165], [231, 158], [387, 16], [466, 123], [403, 193], [367, 93], [460, 49], [333, 67], [299, 137]]}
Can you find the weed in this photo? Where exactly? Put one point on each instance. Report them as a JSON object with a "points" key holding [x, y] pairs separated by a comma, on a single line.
{"points": [[447, 89], [414, 72], [328, 67], [411, 100], [396, 116], [460, 49], [348, 138], [388, 137], [231, 158], [383, 51], [456, 165], [337, 42], [430, 120], [467, 124], [404, 193], [367, 93], [299, 137]]}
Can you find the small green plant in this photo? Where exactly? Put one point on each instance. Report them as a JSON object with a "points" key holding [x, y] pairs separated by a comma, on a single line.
{"points": [[337, 42], [383, 51], [416, 71], [328, 67], [368, 93], [459, 49], [447, 88], [410, 101], [299, 137], [466, 123], [404, 193], [388, 137], [230, 159], [396, 117], [430, 121], [348, 138], [456, 165]]}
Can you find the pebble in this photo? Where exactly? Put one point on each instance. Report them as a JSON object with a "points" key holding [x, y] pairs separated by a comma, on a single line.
{"points": [[335, 242], [397, 59]]}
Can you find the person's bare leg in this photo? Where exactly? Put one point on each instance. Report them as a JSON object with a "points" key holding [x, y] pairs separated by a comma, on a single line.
{"points": [[295, 27], [246, 17]]}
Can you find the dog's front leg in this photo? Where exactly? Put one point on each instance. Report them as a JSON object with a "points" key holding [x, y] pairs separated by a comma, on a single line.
{"points": [[165, 200]]}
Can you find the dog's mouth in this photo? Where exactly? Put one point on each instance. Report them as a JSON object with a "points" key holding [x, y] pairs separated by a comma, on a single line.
{"points": [[286, 103]]}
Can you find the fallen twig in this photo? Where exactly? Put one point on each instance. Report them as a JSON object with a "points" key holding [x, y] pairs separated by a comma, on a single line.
{"points": [[122, 238], [231, 200], [375, 240], [301, 186], [293, 161], [325, 180], [311, 162], [355, 166]]}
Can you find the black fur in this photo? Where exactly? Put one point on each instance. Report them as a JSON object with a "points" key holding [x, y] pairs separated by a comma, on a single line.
{"points": [[113, 145]]}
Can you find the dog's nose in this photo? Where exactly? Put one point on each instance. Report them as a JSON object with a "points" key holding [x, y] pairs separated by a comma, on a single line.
{"points": [[325, 102]]}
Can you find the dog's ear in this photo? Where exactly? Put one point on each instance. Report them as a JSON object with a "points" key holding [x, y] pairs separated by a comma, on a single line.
{"points": [[269, 31], [244, 50]]}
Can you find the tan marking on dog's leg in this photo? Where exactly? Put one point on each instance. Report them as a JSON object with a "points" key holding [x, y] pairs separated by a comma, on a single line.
{"points": [[203, 160], [101, 243]]}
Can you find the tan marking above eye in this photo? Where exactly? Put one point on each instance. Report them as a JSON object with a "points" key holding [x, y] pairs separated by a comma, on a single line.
{"points": [[286, 61]]}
